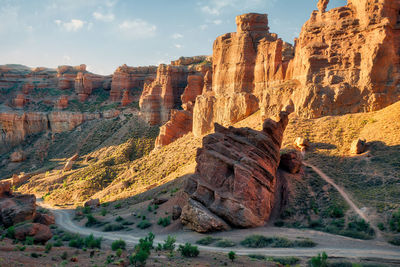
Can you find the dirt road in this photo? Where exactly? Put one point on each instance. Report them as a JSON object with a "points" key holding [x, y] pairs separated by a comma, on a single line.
{"points": [[334, 246]]}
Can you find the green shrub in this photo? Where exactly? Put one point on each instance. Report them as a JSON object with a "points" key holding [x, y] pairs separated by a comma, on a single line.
{"points": [[91, 220], [103, 212], [164, 221], [142, 250], [395, 240], [113, 227], [257, 256], [381, 226], [336, 212], [48, 247], [77, 242], [205, 241], [118, 219], [232, 255], [64, 255], [118, 206], [188, 250], [224, 243], [305, 243], [279, 223], [92, 242], [394, 222], [320, 260], [10, 232], [20, 248], [286, 261], [35, 255], [256, 241], [118, 252], [144, 224], [169, 244], [87, 210], [29, 240], [149, 208], [58, 243], [118, 244], [127, 223]]}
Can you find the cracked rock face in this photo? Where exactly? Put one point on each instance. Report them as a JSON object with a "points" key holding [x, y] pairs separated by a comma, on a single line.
{"points": [[235, 177]]}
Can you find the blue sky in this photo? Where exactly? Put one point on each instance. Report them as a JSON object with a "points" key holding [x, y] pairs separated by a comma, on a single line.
{"points": [[104, 34]]}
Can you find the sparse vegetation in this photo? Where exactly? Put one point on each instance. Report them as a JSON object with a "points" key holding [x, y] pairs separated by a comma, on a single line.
{"points": [[188, 250], [144, 224], [118, 244], [205, 241], [320, 260], [164, 221], [169, 244], [259, 241], [224, 243]]}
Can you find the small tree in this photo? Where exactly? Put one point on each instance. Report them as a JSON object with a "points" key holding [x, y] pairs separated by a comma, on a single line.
{"points": [[118, 244], [232, 255], [320, 261], [188, 250]]}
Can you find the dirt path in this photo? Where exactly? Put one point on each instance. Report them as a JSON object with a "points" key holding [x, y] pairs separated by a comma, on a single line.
{"points": [[334, 246], [344, 195]]}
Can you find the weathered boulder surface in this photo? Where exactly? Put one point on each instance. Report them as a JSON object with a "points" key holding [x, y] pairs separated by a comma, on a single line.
{"points": [[17, 156], [235, 176], [41, 233], [46, 219], [17, 209], [291, 162], [92, 203], [358, 147]]}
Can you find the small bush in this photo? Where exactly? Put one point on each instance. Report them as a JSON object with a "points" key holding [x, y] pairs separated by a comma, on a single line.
{"points": [[92, 242], [113, 227], [336, 212], [381, 226], [224, 243], [35, 255], [118, 219], [10, 232], [118, 252], [149, 208], [205, 241], [118, 244], [232, 255], [305, 243], [48, 247], [144, 224], [20, 248], [279, 223], [87, 210], [164, 221], [77, 242], [286, 261], [169, 244], [118, 206], [320, 260], [394, 222], [395, 241], [58, 243], [103, 212], [142, 250], [64, 256], [91, 220], [127, 223], [188, 250], [256, 241], [257, 257], [29, 240]]}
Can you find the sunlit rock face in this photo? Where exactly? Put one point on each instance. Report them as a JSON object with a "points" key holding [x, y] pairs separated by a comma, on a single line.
{"points": [[244, 63], [344, 61], [235, 177]]}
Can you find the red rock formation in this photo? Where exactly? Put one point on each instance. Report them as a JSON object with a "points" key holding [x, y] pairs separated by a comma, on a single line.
{"points": [[131, 79], [20, 101], [243, 64], [62, 102], [291, 162], [17, 156], [179, 125], [235, 176], [17, 209], [83, 85], [346, 61], [126, 99], [180, 122], [41, 233]]}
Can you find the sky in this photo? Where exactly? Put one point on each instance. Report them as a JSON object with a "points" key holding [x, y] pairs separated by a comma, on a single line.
{"points": [[104, 34]]}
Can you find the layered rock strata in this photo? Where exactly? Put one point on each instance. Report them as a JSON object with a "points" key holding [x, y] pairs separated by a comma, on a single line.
{"points": [[234, 183]]}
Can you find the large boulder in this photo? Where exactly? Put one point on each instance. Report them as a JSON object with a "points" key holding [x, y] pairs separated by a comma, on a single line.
{"points": [[291, 162], [41, 233], [5, 189], [46, 219], [17, 156], [235, 177], [17, 209], [93, 203], [199, 218], [358, 146]]}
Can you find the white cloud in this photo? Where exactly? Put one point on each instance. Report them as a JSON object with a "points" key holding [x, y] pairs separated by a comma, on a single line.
{"points": [[203, 27], [137, 29], [104, 17], [217, 22], [71, 26], [179, 46], [177, 36], [216, 7]]}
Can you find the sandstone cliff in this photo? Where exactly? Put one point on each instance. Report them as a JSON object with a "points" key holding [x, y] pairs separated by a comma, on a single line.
{"points": [[345, 60], [164, 93], [130, 79]]}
